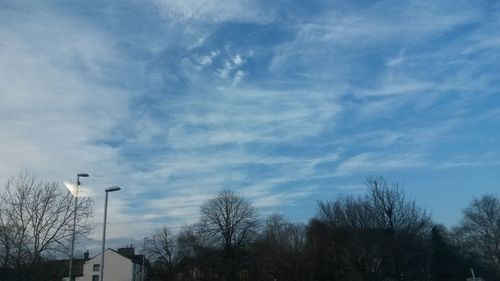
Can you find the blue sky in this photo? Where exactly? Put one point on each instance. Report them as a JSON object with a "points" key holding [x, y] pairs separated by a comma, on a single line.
{"points": [[284, 102]]}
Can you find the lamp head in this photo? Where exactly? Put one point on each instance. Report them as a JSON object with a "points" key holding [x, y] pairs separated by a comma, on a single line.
{"points": [[80, 175], [112, 188]]}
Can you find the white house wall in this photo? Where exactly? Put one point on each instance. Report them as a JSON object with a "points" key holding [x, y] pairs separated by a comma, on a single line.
{"points": [[117, 267]]}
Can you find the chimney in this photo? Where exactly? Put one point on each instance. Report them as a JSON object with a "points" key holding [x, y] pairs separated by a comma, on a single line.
{"points": [[86, 255]]}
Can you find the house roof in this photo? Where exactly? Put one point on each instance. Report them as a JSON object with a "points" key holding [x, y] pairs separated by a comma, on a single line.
{"points": [[134, 258], [137, 259]]}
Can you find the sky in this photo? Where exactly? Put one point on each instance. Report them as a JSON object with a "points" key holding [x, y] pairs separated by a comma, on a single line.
{"points": [[284, 102]]}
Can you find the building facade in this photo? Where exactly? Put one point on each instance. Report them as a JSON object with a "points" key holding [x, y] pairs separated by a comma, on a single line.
{"points": [[120, 265]]}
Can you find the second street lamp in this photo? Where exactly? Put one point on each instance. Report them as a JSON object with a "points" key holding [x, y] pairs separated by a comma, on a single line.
{"points": [[75, 194], [109, 189], [143, 259]]}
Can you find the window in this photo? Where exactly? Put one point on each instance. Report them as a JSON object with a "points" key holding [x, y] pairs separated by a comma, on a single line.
{"points": [[95, 267], [95, 277]]}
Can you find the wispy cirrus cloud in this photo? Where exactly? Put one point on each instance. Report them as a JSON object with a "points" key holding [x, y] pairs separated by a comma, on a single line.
{"points": [[216, 138], [176, 100], [216, 11], [249, 116], [366, 163], [57, 105], [46, 96]]}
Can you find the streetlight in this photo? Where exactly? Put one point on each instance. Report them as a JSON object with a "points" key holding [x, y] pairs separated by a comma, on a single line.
{"points": [[75, 194], [143, 259], [109, 189]]}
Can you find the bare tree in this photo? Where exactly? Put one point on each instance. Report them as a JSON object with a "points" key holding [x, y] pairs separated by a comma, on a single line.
{"points": [[162, 248], [275, 230], [279, 251], [36, 218], [346, 240], [405, 227], [188, 240], [479, 230], [281, 233], [382, 233], [7, 242], [297, 237], [347, 212], [229, 219], [395, 213]]}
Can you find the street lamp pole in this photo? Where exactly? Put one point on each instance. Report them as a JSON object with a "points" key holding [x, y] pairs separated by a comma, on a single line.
{"points": [[78, 176], [109, 189], [143, 259]]}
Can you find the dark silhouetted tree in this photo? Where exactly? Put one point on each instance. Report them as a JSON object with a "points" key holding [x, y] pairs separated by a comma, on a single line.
{"points": [[231, 222], [446, 263], [381, 236], [279, 250], [406, 228], [478, 234], [161, 250]]}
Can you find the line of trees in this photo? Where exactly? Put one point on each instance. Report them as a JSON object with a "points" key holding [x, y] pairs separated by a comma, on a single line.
{"points": [[379, 235]]}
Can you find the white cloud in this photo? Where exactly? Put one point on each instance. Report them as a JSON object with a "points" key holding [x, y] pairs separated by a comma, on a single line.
{"points": [[237, 60], [238, 76], [250, 116], [55, 107], [329, 46], [216, 11], [229, 67], [192, 178], [397, 60], [273, 199], [399, 88], [207, 60], [366, 163], [469, 161]]}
